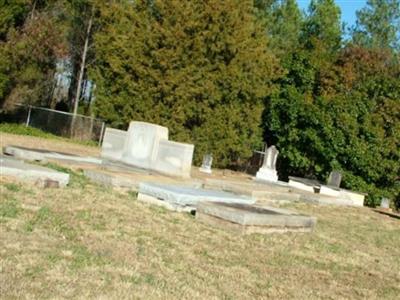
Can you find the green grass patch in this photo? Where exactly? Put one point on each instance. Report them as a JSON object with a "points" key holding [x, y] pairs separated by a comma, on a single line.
{"points": [[9, 208], [48, 219], [21, 129]]}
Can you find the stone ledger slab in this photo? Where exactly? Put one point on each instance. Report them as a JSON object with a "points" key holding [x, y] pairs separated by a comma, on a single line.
{"points": [[113, 144], [247, 218], [15, 168], [43, 155], [142, 143], [189, 196], [174, 158]]}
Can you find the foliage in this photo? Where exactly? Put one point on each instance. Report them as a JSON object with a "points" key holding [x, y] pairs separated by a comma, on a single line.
{"points": [[28, 55], [201, 68], [378, 25]]}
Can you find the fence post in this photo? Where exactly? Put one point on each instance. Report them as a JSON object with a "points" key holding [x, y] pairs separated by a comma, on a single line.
{"points": [[28, 119], [101, 133]]}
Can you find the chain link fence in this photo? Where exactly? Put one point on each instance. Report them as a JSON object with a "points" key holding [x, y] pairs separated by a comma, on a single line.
{"points": [[78, 127]]}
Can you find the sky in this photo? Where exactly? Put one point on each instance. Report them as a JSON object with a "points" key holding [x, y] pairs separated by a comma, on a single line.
{"points": [[348, 8]]}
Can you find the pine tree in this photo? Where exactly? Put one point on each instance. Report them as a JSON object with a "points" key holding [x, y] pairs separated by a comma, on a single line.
{"points": [[378, 25]]}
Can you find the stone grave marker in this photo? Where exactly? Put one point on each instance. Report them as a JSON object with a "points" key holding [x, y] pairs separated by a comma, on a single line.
{"points": [[335, 177], [113, 144], [174, 158], [142, 143], [246, 219], [268, 169], [206, 165]]}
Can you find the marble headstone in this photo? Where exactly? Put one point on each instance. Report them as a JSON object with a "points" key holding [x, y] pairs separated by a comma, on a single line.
{"points": [[268, 170], [206, 165], [174, 158], [335, 177], [385, 203], [113, 143], [142, 143]]}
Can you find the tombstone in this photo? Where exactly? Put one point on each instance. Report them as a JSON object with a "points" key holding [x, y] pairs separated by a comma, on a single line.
{"points": [[385, 203], [113, 143], [206, 165], [142, 143], [268, 170], [174, 158], [335, 177]]}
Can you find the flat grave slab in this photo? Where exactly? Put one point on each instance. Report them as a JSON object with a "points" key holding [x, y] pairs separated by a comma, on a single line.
{"points": [[189, 196], [246, 219], [19, 169], [43, 155], [260, 191]]}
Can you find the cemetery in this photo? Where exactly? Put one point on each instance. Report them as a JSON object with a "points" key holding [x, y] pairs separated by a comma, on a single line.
{"points": [[143, 159], [141, 176]]}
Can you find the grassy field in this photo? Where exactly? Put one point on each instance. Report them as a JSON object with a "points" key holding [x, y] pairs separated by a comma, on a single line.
{"points": [[88, 241]]}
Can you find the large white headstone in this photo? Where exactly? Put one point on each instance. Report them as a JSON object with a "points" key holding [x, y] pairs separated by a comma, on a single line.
{"points": [[268, 170], [113, 143], [142, 143], [174, 158]]}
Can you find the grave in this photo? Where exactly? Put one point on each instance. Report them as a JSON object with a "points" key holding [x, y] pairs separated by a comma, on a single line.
{"points": [[44, 155], [112, 147], [268, 170], [25, 171], [334, 179], [304, 184], [174, 158], [142, 143], [262, 192], [186, 196], [206, 164], [247, 219]]}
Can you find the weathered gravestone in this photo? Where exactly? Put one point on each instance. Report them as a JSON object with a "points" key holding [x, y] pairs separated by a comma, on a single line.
{"points": [[142, 143], [206, 165], [268, 170], [174, 158], [335, 177], [113, 144]]}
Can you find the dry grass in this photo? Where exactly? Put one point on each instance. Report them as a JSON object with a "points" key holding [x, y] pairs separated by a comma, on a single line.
{"points": [[86, 241], [47, 144]]}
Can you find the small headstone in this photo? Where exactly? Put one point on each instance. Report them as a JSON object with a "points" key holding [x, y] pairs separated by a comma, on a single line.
{"points": [[206, 165], [268, 170], [385, 202], [335, 177]]}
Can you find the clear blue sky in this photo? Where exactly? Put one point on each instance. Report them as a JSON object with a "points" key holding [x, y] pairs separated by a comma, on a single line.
{"points": [[348, 8]]}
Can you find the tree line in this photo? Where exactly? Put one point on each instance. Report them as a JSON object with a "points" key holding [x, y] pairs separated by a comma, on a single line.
{"points": [[227, 76]]}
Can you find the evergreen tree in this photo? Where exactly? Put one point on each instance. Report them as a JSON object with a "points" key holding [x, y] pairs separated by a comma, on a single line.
{"points": [[378, 25], [201, 68], [322, 28], [285, 27]]}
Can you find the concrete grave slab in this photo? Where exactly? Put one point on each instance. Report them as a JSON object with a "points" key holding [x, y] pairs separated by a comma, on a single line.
{"points": [[111, 180], [356, 198], [304, 184], [44, 155], [113, 143], [262, 192], [174, 159], [189, 196], [142, 143], [19, 169], [167, 205], [246, 218]]}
